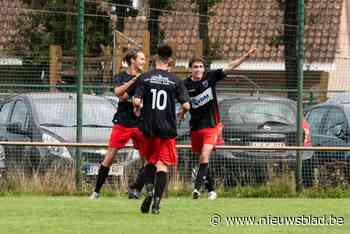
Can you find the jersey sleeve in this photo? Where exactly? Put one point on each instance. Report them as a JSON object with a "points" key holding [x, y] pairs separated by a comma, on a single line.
{"points": [[181, 92], [215, 76], [118, 80]]}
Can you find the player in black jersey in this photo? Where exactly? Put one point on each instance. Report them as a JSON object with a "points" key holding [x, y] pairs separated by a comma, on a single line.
{"points": [[158, 91], [125, 121], [205, 120]]}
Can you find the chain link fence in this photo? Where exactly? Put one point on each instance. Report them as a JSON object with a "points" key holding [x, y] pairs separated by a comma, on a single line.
{"points": [[38, 81]]}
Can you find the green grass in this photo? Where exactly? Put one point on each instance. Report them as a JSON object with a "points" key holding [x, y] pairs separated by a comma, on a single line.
{"points": [[43, 214]]}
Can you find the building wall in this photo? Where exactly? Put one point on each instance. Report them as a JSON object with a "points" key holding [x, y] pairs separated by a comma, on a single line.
{"points": [[9, 11], [340, 77]]}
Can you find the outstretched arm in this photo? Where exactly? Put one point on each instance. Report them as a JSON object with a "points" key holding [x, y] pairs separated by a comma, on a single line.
{"points": [[235, 63]]}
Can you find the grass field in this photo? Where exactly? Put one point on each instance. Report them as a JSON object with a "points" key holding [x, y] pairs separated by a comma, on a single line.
{"points": [[42, 214]]}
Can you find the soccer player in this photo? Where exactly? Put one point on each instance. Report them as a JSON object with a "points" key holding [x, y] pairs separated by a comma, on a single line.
{"points": [[157, 92], [125, 121], [204, 123]]}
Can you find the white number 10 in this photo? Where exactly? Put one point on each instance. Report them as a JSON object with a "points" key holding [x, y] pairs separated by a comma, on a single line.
{"points": [[159, 99]]}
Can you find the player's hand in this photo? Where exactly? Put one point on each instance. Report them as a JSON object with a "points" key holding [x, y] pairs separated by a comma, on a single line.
{"points": [[137, 111], [181, 116]]}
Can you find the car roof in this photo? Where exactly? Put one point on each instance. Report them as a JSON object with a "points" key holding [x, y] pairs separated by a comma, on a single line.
{"points": [[342, 97], [48, 95], [255, 97], [344, 105]]}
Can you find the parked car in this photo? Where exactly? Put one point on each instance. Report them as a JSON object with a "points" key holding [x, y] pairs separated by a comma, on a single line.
{"points": [[51, 118], [252, 121], [330, 127]]}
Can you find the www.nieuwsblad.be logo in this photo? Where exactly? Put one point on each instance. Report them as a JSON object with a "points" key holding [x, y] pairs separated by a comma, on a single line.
{"points": [[217, 219]]}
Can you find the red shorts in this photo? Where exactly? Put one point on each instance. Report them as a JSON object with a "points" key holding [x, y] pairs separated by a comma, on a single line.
{"points": [[121, 135], [209, 136], [158, 149]]}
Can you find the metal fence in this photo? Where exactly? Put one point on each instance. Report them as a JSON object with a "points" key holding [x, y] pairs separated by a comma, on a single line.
{"points": [[38, 45], [259, 142]]}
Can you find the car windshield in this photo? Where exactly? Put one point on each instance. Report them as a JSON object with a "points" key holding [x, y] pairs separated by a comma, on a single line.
{"points": [[259, 112], [61, 112]]}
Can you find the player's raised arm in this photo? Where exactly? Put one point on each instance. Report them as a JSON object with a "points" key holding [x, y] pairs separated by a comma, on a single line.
{"points": [[235, 63]]}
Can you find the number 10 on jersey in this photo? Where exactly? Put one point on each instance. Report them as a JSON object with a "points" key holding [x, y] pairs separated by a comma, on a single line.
{"points": [[159, 99]]}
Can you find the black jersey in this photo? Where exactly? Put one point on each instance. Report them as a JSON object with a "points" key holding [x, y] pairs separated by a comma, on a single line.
{"points": [[204, 106], [159, 91], [125, 114]]}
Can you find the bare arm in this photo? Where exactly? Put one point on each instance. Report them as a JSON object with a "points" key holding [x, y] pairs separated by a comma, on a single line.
{"points": [[235, 63], [184, 109], [120, 91]]}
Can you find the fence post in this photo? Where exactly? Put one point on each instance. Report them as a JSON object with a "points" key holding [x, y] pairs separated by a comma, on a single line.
{"points": [[199, 48], [55, 52], [146, 49], [80, 70], [300, 73]]}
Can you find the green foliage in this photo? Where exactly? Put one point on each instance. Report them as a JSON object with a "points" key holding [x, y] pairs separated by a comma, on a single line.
{"points": [[54, 23], [214, 49]]}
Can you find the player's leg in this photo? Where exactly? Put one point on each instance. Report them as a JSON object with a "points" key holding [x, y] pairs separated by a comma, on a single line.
{"points": [[210, 183], [208, 138], [135, 188], [103, 171], [167, 157], [197, 144], [149, 180], [161, 180], [203, 169], [119, 137], [150, 154]]}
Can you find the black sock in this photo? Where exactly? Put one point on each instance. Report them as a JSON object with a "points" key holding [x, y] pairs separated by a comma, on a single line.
{"points": [[101, 177], [139, 182], [210, 184], [160, 183], [149, 174], [201, 176]]}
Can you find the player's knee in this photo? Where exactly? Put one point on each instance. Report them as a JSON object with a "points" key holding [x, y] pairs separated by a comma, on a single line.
{"points": [[110, 155], [205, 154], [161, 167]]}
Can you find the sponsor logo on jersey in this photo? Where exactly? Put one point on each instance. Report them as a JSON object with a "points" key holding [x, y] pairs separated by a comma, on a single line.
{"points": [[159, 79], [202, 98]]}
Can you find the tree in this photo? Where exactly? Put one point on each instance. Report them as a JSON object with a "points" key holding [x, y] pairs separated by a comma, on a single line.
{"points": [[203, 11], [54, 23], [156, 7]]}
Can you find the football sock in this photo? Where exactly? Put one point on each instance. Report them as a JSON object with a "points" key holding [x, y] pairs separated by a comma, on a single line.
{"points": [[201, 176], [160, 183], [101, 177], [210, 184], [139, 182], [149, 174]]}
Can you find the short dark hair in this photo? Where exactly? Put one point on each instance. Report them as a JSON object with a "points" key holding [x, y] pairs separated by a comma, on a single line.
{"points": [[131, 54], [196, 59], [164, 52]]}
